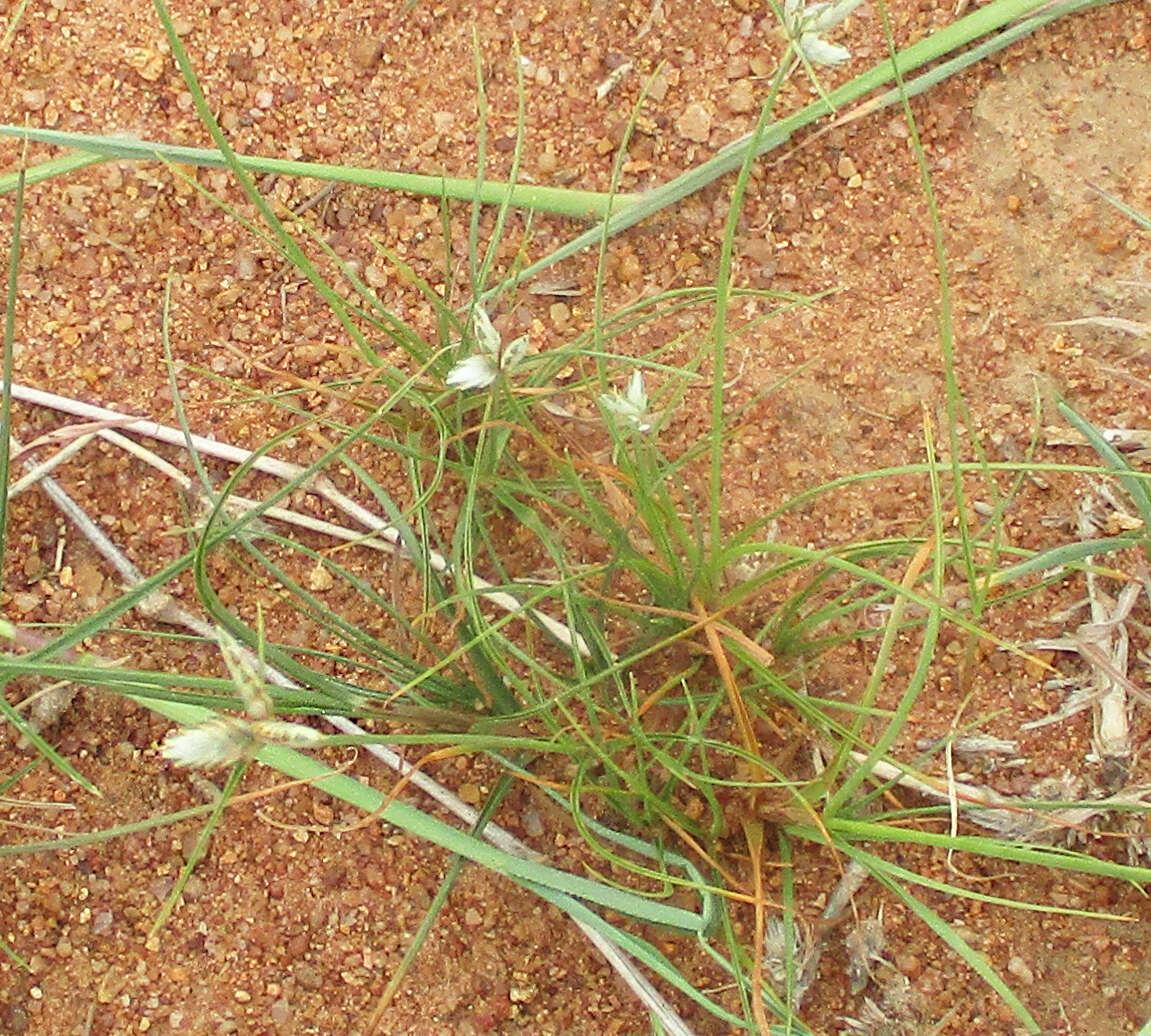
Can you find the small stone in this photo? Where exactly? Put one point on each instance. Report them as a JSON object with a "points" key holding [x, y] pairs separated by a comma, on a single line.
{"points": [[533, 825], [845, 168], [473, 918], [742, 97], [241, 65], [89, 580], [188, 843], [147, 62], [320, 579], [365, 53], [560, 314], [308, 977], [761, 64], [1018, 967], [909, 965], [737, 67], [630, 268], [26, 602], [695, 123]]}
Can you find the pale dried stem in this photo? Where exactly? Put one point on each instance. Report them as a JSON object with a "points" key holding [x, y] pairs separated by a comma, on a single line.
{"points": [[161, 607], [314, 483], [1104, 645], [48, 465], [1006, 815]]}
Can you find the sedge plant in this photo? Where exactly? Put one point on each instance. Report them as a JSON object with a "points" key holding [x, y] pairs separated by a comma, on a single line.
{"points": [[576, 619]]}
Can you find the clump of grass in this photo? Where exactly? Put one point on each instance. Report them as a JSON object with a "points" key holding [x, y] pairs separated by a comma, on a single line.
{"points": [[577, 619]]}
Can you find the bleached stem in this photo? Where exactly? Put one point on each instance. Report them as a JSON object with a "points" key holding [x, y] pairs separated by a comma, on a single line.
{"points": [[318, 484]]}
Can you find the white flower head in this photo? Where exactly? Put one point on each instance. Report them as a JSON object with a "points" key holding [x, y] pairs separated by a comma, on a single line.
{"points": [[630, 408], [242, 669], [491, 356], [806, 25], [227, 740], [820, 52], [220, 741], [471, 373], [291, 735]]}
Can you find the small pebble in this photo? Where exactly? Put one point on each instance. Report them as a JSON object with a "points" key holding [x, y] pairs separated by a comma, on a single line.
{"points": [[308, 977], [365, 52], [695, 123], [741, 97], [1018, 967]]}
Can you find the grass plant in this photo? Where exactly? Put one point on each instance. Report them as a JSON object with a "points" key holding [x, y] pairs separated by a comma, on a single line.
{"points": [[620, 672]]}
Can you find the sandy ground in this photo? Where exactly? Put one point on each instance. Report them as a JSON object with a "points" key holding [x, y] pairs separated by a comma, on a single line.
{"points": [[293, 926]]}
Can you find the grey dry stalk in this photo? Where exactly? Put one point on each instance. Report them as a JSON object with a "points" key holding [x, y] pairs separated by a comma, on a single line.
{"points": [[161, 607]]}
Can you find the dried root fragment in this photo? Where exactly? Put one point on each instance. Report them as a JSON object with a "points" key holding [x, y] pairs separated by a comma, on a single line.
{"points": [[1135, 443], [47, 706], [900, 1010], [1103, 643], [800, 959], [865, 944]]}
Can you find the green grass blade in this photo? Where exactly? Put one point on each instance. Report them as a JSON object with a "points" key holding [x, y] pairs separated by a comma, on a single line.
{"points": [[959, 35], [955, 942], [298, 766], [9, 345], [93, 148], [1131, 480], [48, 170]]}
